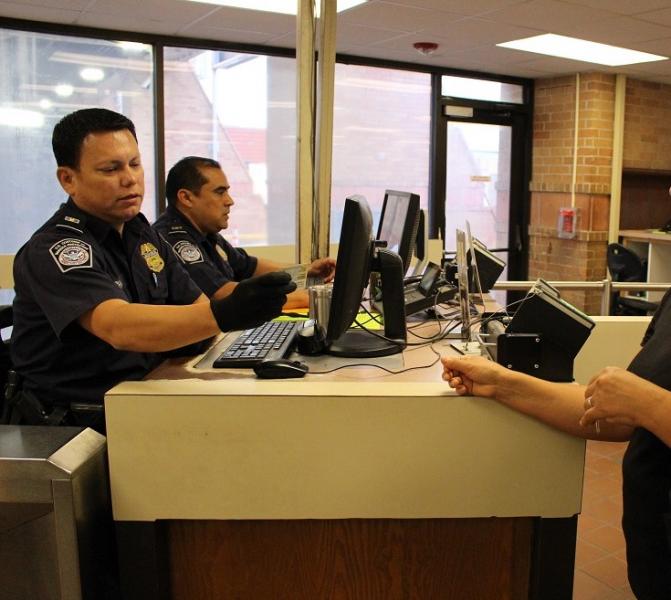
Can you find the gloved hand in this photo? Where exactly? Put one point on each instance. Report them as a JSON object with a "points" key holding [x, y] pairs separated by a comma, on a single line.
{"points": [[253, 301]]}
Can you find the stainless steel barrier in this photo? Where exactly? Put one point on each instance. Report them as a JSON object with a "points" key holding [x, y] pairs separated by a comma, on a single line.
{"points": [[54, 513], [606, 286]]}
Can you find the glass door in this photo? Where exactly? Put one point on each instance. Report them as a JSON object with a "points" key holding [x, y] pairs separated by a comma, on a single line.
{"points": [[477, 187]]}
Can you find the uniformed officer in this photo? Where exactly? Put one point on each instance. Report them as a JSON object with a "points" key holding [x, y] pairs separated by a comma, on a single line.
{"points": [[98, 292], [199, 204]]}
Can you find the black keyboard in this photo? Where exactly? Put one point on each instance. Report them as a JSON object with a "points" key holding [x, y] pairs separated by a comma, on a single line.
{"points": [[266, 342]]}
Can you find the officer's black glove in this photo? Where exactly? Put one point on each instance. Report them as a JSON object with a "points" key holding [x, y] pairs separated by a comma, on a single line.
{"points": [[253, 301]]}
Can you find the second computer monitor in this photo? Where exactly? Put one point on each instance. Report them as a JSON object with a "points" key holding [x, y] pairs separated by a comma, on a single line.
{"points": [[398, 223]]}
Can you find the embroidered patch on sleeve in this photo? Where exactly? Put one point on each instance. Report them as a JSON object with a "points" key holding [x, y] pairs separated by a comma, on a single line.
{"points": [[71, 253], [187, 252]]}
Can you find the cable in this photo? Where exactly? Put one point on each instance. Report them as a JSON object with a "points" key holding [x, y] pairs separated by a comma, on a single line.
{"points": [[390, 371]]}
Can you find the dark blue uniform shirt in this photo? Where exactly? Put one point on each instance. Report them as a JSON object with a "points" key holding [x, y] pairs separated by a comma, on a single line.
{"points": [[646, 472], [70, 265], [209, 259]]}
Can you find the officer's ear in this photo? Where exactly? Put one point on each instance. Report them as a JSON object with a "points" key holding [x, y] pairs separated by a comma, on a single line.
{"points": [[185, 197], [66, 177]]}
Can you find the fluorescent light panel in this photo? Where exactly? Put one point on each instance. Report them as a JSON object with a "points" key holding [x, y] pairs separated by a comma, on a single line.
{"points": [[284, 7], [575, 49]]}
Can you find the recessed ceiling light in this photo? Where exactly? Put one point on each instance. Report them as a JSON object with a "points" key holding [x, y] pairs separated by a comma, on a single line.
{"points": [[45, 104], [573, 48], [19, 117], [92, 74], [284, 7], [64, 90]]}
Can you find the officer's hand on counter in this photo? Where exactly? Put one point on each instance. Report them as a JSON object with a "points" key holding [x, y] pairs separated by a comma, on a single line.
{"points": [[253, 301]]}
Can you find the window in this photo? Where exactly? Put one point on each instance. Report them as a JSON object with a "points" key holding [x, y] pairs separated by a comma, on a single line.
{"points": [[381, 136], [481, 89], [48, 77], [239, 109]]}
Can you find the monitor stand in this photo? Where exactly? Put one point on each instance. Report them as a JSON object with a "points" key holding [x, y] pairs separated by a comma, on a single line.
{"points": [[358, 343]]}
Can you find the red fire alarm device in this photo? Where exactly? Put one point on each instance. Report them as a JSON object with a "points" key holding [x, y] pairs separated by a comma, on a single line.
{"points": [[568, 222]]}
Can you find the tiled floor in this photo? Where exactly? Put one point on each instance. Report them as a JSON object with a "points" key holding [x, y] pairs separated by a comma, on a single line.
{"points": [[600, 563]]}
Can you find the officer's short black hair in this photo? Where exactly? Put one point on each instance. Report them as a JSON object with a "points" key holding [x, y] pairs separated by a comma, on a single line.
{"points": [[70, 131], [185, 175]]}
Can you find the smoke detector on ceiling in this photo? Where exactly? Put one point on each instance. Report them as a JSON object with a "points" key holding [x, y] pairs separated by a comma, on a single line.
{"points": [[425, 48]]}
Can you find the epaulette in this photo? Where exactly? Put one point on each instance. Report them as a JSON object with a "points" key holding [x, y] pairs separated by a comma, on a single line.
{"points": [[69, 222]]}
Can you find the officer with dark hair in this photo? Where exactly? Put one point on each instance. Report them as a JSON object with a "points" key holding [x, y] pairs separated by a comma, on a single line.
{"points": [[99, 294], [199, 204]]}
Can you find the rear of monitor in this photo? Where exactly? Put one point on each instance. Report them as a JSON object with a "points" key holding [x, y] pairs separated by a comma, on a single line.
{"points": [[421, 244], [358, 255], [398, 223], [486, 268]]}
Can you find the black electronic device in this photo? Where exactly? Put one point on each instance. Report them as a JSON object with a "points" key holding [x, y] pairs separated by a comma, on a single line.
{"points": [[421, 250], [358, 256], [398, 224], [666, 228], [544, 335], [281, 368], [487, 265], [270, 340]]}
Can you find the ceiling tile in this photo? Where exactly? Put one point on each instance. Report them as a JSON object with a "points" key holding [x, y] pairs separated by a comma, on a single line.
{"points": [[14, 10], [387, 15], [620, 31], [360, 35], [549, 15], [461, 7], [173, 11], [661, 17], [623, 7], [259, 21], [203, 29], [127, 23], [60, 4]]}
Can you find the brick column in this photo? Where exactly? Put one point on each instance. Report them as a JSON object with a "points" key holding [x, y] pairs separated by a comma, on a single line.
{"points": [[582, 258]]}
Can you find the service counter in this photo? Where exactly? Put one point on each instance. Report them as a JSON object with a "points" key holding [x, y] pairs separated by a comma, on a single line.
{"points": [[356, 484]]}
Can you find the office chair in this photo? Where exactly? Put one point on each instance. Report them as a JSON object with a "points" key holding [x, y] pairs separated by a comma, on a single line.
{"points": [[624, 265]]}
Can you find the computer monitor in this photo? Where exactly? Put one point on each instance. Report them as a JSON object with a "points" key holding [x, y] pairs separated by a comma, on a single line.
{"points": [[357, 256], [398, 223]]}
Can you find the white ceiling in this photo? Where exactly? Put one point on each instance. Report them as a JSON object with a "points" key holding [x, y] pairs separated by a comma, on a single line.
{"points": [[466, 30]]}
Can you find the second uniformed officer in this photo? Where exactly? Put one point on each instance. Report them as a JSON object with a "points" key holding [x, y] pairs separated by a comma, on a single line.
{"points": [[98, 292]]}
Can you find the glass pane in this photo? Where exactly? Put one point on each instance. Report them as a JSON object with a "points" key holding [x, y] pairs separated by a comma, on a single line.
{"points": [[481, 89], [239, 109], [48, 77], [381, 136], [478, 183]]}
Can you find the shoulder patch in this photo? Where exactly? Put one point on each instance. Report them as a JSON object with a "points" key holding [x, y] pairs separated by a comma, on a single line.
{"points": [[71, 253], [188, 252]]}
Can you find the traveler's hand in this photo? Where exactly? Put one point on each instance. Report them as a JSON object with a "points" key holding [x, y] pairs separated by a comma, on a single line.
{"points": [[324, 268], [253, 301], [472, 375], [620, 397]]}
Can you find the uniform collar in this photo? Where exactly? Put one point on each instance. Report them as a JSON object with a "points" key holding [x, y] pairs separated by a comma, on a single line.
{"points": [[99, 228], [179, 217]]}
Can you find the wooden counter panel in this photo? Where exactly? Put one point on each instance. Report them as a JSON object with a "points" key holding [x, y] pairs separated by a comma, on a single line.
{"points": [[353, 559]]}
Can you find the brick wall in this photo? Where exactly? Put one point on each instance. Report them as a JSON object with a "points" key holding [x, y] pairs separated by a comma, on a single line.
{"points": [[647, 126], [584, 257]]}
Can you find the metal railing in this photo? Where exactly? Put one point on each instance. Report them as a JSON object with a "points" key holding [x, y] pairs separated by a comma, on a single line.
{"points": [[606, 286]]}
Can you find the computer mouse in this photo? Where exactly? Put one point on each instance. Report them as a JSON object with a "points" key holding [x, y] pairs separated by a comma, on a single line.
{"points": [[280, 368]]}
